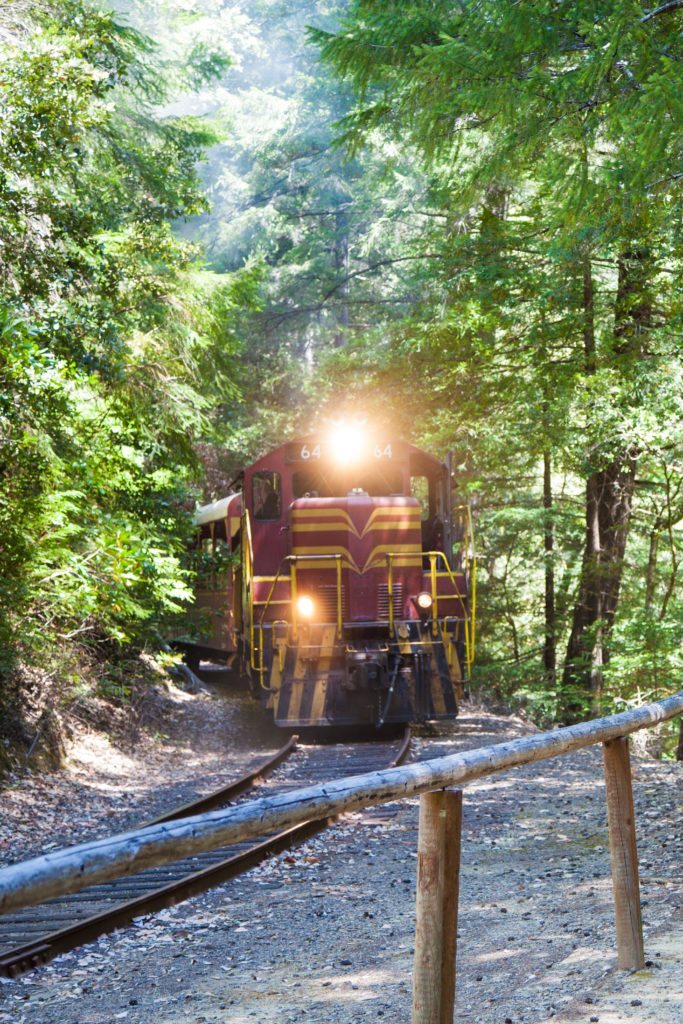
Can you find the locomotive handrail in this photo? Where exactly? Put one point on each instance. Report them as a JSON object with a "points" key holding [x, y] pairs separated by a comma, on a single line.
{"points": [[433, 556], [467, 617], [471, 562], [70, 870], [293, 560], [470, 557], [248, 578], [276, 579], [249, 583]]}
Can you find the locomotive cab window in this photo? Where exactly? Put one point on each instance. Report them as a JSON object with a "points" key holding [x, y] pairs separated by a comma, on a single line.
{"points": [[266, 495], [419, 488], [424, 489]]}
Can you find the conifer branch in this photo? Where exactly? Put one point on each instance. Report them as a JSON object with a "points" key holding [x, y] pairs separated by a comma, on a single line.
{"points": [[671, 5], [377, 265]]}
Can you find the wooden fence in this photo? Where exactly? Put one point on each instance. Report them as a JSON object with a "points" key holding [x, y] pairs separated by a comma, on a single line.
{"points": [[69, 870]]}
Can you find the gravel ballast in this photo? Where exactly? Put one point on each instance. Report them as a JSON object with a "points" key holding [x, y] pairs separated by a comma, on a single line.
{"points": [[325, 933]]}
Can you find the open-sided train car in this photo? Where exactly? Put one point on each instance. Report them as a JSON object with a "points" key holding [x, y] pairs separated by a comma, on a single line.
{"points": [[340, 580]]}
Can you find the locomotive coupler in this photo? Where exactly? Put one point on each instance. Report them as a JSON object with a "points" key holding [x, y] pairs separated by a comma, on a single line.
{"points": [[366, 670]]}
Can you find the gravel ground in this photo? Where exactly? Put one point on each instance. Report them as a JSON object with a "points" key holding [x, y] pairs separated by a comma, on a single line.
{"points": [[652, 996], [200, 742], [325, 932]]}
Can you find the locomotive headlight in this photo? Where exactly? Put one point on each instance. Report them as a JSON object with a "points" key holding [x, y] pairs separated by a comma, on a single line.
{"points": [[346, 443], [305, 607], [424, 601]]}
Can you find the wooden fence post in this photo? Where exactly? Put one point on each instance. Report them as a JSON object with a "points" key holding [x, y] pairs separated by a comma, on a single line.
{"points": [[436, 908], [624, 854]]}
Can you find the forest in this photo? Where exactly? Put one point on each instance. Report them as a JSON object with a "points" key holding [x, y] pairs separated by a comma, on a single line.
{"points": [[223, 222]]}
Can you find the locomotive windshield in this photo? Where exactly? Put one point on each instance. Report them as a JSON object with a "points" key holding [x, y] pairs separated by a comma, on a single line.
{"points": [[335, 482]]}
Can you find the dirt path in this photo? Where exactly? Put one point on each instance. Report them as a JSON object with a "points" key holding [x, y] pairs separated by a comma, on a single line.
{"points": [[200, 741], [325, 934], [652, 996]]}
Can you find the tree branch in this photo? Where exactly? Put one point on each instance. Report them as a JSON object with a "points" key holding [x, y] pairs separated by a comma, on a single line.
{"points": [[376, 266], [670, 177], [671, 5]]}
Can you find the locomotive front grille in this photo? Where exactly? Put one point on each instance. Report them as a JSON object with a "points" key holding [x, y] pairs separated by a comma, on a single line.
{"points": [[383, 601], [326, 603]]}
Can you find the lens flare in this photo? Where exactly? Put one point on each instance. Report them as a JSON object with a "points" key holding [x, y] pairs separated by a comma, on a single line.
{"points": [[346, 443], [305, 607]]}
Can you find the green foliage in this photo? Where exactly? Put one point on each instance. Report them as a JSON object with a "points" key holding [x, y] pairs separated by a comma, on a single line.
{"points": [[546, 325], [330, 232], [116, 350], [464, 223]]}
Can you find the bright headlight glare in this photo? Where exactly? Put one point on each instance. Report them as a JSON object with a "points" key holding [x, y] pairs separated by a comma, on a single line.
{"points": [[346, 443], [424, 601], [305, 607]]}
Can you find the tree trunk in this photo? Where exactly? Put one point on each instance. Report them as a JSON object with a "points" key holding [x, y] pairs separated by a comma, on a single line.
{"points": [[588, 318], [673, 575], [609, 496], [549, 647], [650, 575], [679, 749], [341, 260]]}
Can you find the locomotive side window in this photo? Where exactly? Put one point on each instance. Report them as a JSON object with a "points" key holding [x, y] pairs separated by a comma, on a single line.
{"points": [[266, 495], [419, 488]]}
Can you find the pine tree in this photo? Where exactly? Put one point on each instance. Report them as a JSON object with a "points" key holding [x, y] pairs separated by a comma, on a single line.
{"points": [[572, 112]]}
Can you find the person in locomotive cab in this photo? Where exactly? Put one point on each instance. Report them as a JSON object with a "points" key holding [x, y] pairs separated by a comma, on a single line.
{"points": [[435, 534], [271, 505], [267, 500]]}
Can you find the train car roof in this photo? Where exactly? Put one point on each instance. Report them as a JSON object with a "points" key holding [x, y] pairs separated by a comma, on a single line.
{"points": [[216, 510], [322, 438]]}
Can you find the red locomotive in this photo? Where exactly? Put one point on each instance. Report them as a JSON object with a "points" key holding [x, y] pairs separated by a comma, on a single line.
{"points": [[341, 579]]}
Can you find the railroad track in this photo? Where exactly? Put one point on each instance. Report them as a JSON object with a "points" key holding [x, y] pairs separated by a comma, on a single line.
{"points": [[34, 935]]}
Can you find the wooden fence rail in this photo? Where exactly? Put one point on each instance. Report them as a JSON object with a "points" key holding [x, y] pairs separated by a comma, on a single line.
{"points": [[69, 870]]}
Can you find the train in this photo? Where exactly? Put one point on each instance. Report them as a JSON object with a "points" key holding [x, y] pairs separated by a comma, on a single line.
{"points": [[339, 578]]}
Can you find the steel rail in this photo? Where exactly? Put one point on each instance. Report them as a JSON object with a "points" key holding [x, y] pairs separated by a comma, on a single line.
{"points": [[46, 947], [32, 954], [66, 871], [219, 797]]}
